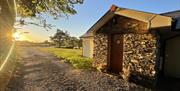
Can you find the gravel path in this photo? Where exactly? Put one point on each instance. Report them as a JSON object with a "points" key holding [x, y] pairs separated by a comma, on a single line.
{"points": [[40, 71]]}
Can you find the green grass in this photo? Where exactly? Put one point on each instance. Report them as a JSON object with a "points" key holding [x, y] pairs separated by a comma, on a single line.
{"points": [[73, 56]]}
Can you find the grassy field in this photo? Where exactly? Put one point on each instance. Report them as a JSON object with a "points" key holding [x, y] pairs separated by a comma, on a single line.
{"points": [[73, 56]]}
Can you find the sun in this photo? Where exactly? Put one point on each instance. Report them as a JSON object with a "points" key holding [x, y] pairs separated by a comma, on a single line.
{"points": [[21, 36], [17, 36]]}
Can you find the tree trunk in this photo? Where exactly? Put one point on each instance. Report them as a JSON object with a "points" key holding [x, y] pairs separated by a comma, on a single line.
{"points": [[7, 19]]}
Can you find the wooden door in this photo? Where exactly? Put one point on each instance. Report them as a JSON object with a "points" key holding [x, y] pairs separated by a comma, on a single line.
{"points": [[116, 56], [172, 58]]}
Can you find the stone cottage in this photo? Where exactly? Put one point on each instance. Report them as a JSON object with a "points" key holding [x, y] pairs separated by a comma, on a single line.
{"points": [[135, 44]]}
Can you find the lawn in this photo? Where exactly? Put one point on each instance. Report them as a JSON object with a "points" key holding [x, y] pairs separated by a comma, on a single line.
{"points": [[73, 56]]}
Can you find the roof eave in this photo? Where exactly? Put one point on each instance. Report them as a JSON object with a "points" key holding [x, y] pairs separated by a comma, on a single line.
{"points": [[138, 15]]}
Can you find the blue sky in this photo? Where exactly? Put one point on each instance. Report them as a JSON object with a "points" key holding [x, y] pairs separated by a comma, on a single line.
{"points": [[91, 10]]}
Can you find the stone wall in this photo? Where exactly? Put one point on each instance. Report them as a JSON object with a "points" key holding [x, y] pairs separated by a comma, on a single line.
{"points": [[100, 51], [139, 48], [139, 55], [127, 25]]}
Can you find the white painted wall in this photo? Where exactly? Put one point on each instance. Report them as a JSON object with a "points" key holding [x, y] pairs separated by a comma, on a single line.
{"points": [[88, 47]]}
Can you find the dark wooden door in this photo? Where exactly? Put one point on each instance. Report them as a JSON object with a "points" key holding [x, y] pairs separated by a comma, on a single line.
{"points": [[116, 56], [172, 58]]}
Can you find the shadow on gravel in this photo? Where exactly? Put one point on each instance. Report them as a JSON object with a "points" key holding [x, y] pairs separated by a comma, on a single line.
{"points": [[17, 79], [32, 69], [168, 84]]}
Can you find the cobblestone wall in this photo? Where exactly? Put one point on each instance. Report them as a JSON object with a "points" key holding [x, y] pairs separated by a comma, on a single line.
{"points": [[100, 51], [139, 48], [140, 54]]}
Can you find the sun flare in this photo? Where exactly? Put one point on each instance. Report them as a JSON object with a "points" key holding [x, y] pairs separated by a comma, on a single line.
{"points": [[20, 36], [17, 36]]}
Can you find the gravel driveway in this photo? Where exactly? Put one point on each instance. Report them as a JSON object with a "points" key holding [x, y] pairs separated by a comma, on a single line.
{"points": [[41, 71]]}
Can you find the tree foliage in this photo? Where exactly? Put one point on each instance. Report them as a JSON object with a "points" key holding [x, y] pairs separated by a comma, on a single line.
{"points": [[55, 8], [63, 39], [42, 8], [35, 8]]}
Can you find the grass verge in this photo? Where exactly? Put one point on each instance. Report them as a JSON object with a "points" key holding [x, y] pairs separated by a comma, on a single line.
{"points": [[73, 56]]}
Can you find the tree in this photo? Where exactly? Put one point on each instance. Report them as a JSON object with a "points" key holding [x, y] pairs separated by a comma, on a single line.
{"points": [[33, 9], [36, 9], [80, 43], [7, 19], [63, 39], [73, 42], [60, 38], [41, 8], [46, 42], [7, 16]]}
